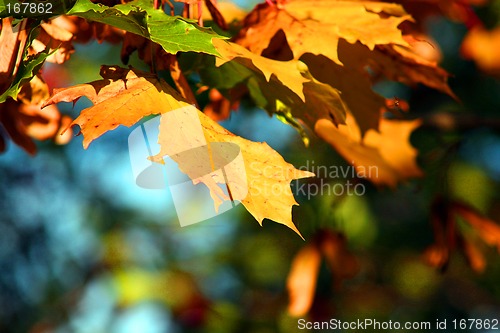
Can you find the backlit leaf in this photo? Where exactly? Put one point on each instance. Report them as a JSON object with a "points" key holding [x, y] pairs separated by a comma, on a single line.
{"points": [[173, 33], [124, 96]]}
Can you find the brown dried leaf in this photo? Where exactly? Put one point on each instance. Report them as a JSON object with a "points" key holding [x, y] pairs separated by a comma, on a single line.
{"points": [[14, 126], [132, 43], [40, 124], [106, 33], [402, 64]]}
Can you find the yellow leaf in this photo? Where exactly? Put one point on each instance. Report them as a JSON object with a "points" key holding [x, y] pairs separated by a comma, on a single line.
{"points": [[268, 175], [125, 96], [287, 72], [301, 281], [315, 100], [394, 62], [483, 46], [315, 26], [385, 157]]}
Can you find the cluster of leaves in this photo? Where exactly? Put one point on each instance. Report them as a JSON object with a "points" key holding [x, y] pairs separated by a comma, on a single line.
{"points": [[310, 62], [324, 86]]}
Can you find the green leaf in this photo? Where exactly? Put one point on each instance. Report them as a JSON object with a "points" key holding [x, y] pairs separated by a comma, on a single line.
{"points": [[27, 69], [173, 33], [127, 17], [179, 34], [29, 66]]}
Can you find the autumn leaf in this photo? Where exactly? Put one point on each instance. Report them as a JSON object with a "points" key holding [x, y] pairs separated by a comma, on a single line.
{"points": [[286, 72], [27, 69], [385, 157], [474, 256], [487, 229], [216, 15], [396, 63], [438, 254], [13, 40], [456, 10], [219, 107], [284, 88], [482, 46], [320, 100], [302, 279], [56, 39], [24, 120], [402, 64], [448, 236], [341, 262], [307, 24], [268, 176], [123, 97], [363, 55], [21, 114]]}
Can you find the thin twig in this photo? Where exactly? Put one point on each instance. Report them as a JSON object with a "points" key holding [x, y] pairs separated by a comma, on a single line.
{"points": [[180, 80], [447, 122], [200, 13]]}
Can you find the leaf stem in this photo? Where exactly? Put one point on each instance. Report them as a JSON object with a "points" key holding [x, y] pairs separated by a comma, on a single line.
{"points": [[180, 80]]}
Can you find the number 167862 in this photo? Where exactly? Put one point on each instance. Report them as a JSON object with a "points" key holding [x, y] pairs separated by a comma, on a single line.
{"points": [[29, 8]]}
